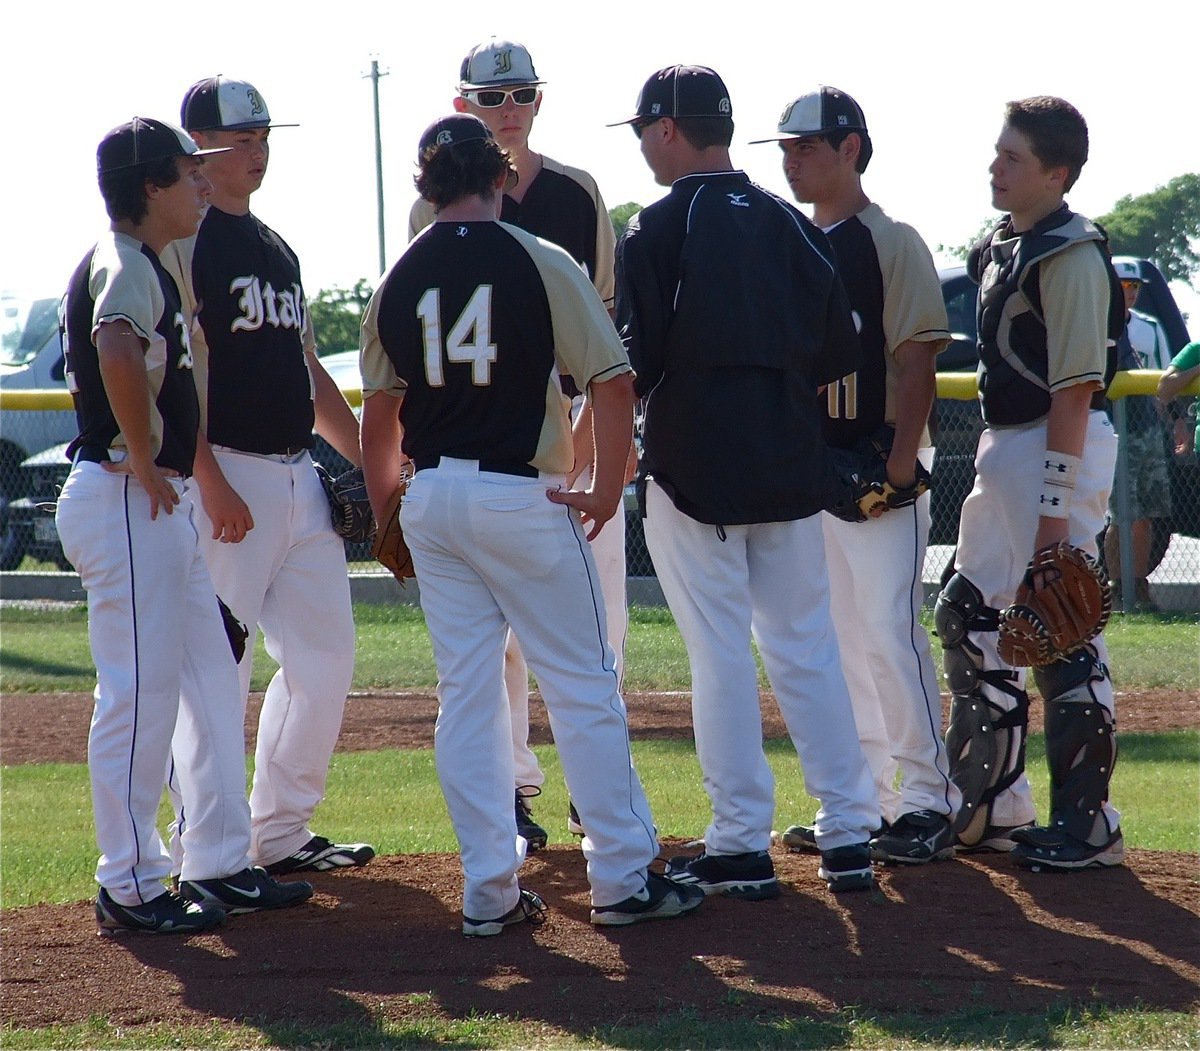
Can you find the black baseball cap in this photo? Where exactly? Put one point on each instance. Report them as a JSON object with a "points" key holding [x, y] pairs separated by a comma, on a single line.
{"points": [[681, 91], [454, 130], [225, 104], [143, 140], [817, 112]]}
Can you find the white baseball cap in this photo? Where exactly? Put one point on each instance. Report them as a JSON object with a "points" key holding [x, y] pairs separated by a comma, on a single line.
{"points": [[495, 64], [1127, 268]]}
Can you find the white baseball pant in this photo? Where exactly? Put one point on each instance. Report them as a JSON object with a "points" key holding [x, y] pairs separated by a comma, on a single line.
{"points": [[608, 550], [768, 582], [490, 550], [161, 653], [995, 541], [289, 577], [876, 595]]}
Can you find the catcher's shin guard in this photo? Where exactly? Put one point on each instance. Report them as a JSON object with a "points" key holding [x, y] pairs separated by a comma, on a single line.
{"points": [[1081, 746], [985, 742]]}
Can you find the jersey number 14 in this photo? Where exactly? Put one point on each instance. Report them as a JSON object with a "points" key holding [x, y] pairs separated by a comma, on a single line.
{"points": [[468, 341]]}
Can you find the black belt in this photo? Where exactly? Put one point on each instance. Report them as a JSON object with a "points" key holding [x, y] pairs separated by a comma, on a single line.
{"points": [[521, 470]]}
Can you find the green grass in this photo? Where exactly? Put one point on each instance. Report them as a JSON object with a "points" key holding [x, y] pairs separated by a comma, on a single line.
{"points": [[391, 798], [46, 650], [860, 1029]]}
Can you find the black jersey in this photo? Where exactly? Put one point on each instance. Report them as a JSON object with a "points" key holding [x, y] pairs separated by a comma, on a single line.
{"points": [[474, 326], [242, 282], [559, 209], [121, 279], [734, 315], [894, 292], [561, 205]]}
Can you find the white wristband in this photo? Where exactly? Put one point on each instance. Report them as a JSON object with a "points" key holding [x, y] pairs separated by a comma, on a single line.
{"points": [[1058, 483]]}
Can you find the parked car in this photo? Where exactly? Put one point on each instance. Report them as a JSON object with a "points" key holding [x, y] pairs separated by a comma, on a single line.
{"points": [[33, 464], [31, 358], [31, 516]]}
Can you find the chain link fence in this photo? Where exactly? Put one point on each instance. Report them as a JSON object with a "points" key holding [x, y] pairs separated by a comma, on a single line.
{"points": [[1155, 563]]}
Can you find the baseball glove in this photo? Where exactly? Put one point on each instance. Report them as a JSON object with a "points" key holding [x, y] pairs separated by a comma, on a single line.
{"points": [[235, 631], [1063, 601], [390, 549], [349, 508], [865, 490]]}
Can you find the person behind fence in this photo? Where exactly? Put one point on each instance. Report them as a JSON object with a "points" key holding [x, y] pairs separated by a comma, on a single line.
{"points": [[1183, 371], [730, 304], [1049, 311], [1146, 439], [128, 525], [464, 345]]}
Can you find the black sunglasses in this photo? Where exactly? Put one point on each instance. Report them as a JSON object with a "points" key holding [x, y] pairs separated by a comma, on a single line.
{"points": [[642, 123]]}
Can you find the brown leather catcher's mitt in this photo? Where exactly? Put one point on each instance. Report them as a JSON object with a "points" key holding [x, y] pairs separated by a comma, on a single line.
{"points": [[389, 548], [1063, 601]]}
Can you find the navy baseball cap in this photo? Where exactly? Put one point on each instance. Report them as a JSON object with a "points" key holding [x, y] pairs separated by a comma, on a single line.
{"points": [[817, 112], [224, 104], [143, 140], [681, 91], [454, 130], [498, 63]]}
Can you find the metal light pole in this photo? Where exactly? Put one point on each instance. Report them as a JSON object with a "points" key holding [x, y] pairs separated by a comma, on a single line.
{"points": [[374, 76]]}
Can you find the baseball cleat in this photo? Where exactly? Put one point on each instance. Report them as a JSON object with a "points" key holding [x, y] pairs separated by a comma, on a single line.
{"points": [[996, 839], [1039, 848], [319, 855], [250, 890], [574, 825], [529, 909], [847, 868], [750, 876], [167, 914], [802, 839], [535, 836], [917, 837], [659, 899]]}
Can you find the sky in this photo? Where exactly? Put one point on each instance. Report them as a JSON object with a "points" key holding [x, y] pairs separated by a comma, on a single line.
{"points": [[932, 78]]}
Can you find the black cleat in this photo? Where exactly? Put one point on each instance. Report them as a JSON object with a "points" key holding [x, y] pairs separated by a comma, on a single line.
{"points": [[319, 855], [535, 835], [659, 899], [916, 838], [529, 909], [250, 890], [167, 914], [847, 868], [750, 876]]}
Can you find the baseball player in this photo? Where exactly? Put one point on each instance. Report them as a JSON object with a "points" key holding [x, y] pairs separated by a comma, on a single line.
{"points": [[1049, 307], [126, 523], [499, 85], [469, 335], [875, 566], [732, 311], [262, 388]]}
